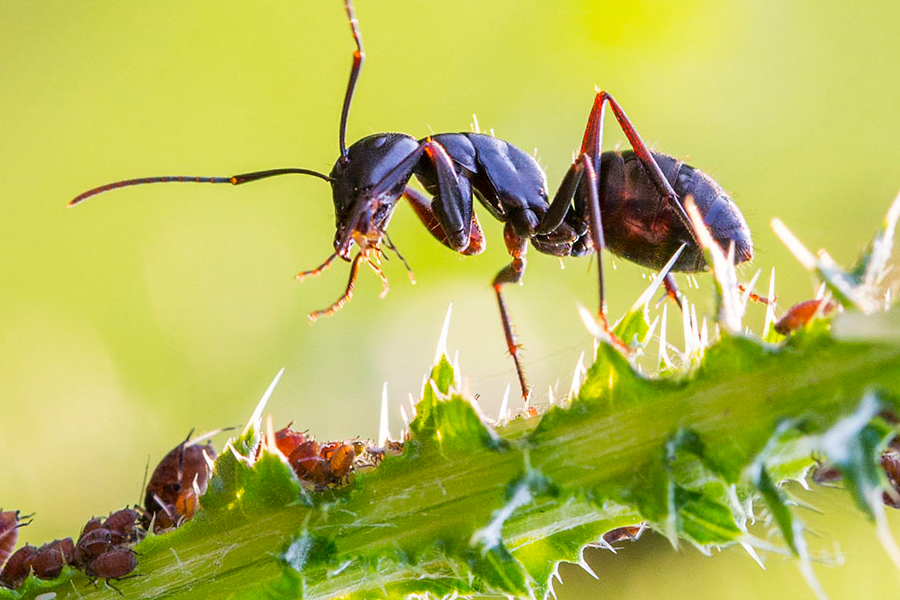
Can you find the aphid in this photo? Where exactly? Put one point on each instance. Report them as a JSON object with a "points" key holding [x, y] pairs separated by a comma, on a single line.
{"points": [[17, 567], [324, 465], [286, 439], [802, 313], [338, 458], [94, 543], [115, 564], [10, 522], [304, 459], [890, 462], [632, 533], [91, 525], [124, 522], [825, 473], [629, 202], [49, 560], [178, 481]]}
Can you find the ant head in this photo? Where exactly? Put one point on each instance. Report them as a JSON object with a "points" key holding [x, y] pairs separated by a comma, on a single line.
{"points": [[366, 185]]}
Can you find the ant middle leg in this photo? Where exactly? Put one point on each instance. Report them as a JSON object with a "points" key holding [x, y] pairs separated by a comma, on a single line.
{"points": [[512, 273], [581, 178]]}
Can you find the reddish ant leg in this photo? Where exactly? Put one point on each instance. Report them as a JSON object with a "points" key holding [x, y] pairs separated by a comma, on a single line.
{"points": [[422, 207], [512, 273], [593, 139], [318, 270], [347, 295]]}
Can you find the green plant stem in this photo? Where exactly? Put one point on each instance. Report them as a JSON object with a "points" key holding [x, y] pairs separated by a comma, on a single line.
{"points": [[430, 520]]}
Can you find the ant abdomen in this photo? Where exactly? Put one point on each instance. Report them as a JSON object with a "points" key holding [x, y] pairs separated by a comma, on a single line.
{"points": [[641, 226]]}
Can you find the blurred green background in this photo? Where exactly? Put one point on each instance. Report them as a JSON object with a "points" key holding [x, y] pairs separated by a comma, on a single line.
{"points": [[152, 310]]}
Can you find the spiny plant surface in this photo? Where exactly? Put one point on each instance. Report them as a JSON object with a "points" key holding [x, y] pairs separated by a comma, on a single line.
{"points": [[472, 506]]}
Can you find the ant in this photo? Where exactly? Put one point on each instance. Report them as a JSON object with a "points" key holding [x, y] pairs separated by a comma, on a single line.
{"points": [[628, 202]]}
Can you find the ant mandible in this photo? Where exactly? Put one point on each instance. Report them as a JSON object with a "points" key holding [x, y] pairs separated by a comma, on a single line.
{"points": [[628, 202]]}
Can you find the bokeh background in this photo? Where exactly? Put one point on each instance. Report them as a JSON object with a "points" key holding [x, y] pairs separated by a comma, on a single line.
{"points": [[144, 313]]}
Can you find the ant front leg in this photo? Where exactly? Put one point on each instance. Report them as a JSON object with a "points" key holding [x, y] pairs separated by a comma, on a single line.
{"points": [[512, 273], [593, 139], [422, 207], [449, 208]]}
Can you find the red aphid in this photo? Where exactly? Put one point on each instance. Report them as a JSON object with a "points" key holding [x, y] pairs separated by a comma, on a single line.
{"points": [[339, 459], [304, 459], [286, 440], [324, 465], [800, 314], [49, 560], [17, 567], [10, 521]]}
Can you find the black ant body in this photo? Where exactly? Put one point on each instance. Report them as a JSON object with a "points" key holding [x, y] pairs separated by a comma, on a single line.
{"points": [[628, 202]]}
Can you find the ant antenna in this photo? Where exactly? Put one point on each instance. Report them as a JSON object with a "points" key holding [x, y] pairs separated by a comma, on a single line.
{"points": [[358, 57], [233, 180]]}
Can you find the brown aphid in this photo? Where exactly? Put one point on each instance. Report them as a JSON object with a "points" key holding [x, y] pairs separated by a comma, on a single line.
{"points": [[825, 473], [890, 462], [182, 473], [94, 543], [94, 523], [800, 314], [10, 521], [125, 522], [286, 439], [50, 558], [115, 564], [17, 567], [632, 533]]}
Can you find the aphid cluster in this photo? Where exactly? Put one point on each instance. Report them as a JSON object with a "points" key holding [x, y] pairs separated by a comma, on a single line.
{"points": [[103, 551], [889, 462], [328, 465], [104, 547]]}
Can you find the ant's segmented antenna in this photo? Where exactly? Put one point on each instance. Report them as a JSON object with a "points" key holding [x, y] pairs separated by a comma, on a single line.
{"points": [[358, 56], [233, 180]]}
